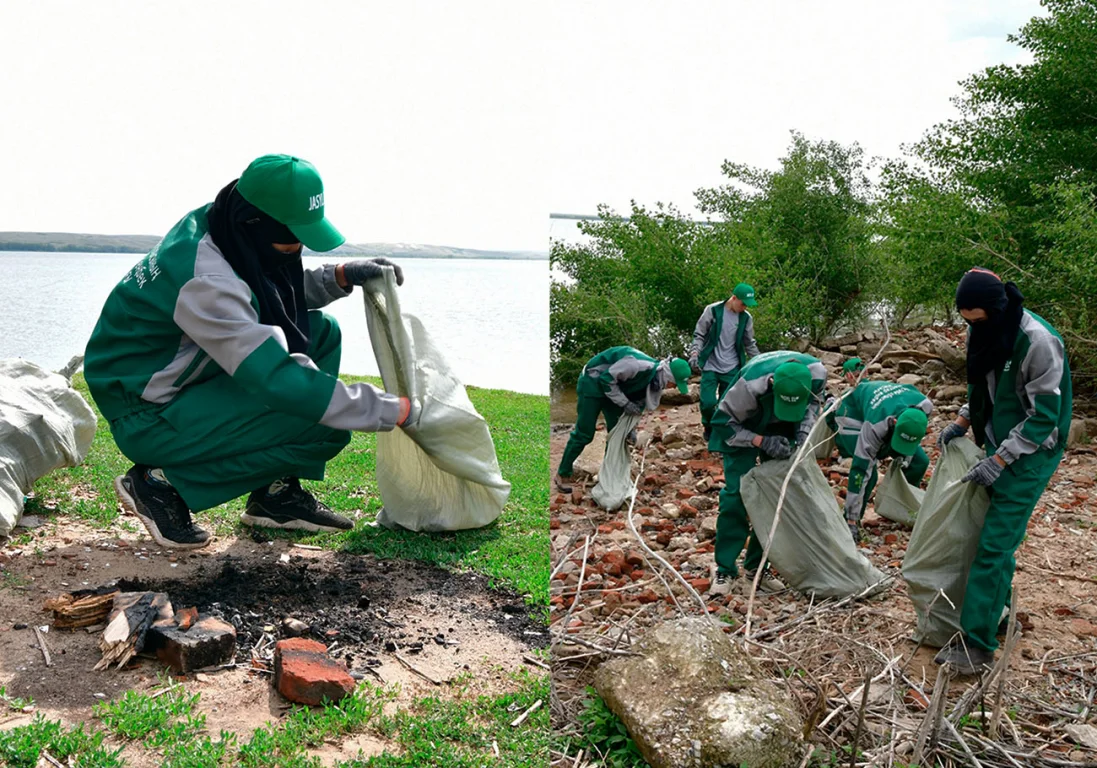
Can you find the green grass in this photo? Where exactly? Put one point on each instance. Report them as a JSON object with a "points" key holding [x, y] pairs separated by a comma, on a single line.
{"points": [[512, 552], [462, 732]]}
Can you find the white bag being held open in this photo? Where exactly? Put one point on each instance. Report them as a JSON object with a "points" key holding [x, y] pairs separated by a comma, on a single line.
{"points": [[441, 474]]}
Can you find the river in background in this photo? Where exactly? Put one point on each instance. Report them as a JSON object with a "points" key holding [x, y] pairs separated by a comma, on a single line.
{"points": [[490, 317]]}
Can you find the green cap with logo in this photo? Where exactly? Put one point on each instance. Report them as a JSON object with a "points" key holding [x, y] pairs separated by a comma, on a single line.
{"points": [[910, 428], [289, 190], [681, 371], [852, 365], [791, 391], [745, 294]]}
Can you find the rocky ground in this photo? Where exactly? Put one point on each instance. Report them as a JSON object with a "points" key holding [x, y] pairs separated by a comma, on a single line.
{"points": [[606, 591]]}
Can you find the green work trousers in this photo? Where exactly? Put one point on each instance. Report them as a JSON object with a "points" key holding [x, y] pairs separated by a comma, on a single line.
{"points": [[733, 524], [216, 442], [713, 387], [1012, 499], [586, 421], [915, 472]]}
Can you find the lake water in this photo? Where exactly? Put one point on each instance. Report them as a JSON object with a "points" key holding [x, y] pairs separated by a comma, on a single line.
{"points": [[490, 317]]}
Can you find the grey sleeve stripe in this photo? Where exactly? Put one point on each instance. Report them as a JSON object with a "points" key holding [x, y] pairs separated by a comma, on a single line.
{"points": [[700, 332], [161, 387], [216, 311], [321, 287], [625, 368], [870, 439], [1041, 371], [362, 408], [740, 403]]}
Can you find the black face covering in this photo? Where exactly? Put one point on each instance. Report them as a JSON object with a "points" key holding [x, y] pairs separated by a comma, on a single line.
{"points": [[991, 341], [244, 235]]}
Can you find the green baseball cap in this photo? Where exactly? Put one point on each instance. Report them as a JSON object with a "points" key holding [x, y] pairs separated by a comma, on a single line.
{"points": [[289, 190], [791, 391], [681, 371], [745, 294], [910, 428], [853, 365]]}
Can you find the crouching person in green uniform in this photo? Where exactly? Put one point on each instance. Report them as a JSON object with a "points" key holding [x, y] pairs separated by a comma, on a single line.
{"points": [[618, 380], [722, 342], [216, 369], [771, 408], [1019, 409], [877, 420]]}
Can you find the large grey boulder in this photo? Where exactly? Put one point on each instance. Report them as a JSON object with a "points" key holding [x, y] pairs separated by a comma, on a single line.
{"points": [[693, 699]]}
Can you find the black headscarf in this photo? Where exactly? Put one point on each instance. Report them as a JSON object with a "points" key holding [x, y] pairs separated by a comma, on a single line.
{"points": [[990, 343], [244, 235]]}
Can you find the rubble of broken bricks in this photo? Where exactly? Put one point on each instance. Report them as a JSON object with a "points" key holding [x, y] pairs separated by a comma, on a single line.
{"points": [[606, 590]]}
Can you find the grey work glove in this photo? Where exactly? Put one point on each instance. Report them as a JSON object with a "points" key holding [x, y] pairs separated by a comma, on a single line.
{"points": [[776, 447], [634, 408], [950, 433], [362, 271], [693, 363], [984, 473]]}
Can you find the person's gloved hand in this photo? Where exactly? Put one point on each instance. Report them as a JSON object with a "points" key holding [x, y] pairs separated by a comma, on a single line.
{"points": [[984, 473], [694, 364], [855, 532], [776, 447], [633, 408], [409, 413], [950, 433], [362, 271]]}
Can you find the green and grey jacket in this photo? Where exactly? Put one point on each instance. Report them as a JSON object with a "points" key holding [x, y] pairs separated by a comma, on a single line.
{"points": [[1030, 405], [625, 375], [864, 416], [723, 349], [182, 316], [746, 409]]}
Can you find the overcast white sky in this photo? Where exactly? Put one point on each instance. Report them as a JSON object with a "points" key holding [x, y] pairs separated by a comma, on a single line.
{"points": [[461, 123]]}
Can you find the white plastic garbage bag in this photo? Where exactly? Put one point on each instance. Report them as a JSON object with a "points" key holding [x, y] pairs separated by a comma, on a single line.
{"points": [[812, 548], [944, 542], [441, 474], [896, 499], [44, 425], [615, 476]]}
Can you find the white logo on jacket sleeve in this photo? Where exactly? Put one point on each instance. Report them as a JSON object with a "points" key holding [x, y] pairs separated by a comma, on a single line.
{"points": [[316, 201]]}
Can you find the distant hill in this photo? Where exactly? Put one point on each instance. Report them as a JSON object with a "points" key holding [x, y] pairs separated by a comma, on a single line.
{"points": [[79, 243]]}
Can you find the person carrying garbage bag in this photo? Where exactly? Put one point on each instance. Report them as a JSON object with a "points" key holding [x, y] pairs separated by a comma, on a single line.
{"points": [[723, 340], [615, 381], [765, 414], [1019, 411], [877, 420], [216, 369]]}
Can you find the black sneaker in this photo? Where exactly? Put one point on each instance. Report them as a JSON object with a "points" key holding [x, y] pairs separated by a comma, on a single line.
{"points": [[285, 504], [160, 508], [965, 659]]}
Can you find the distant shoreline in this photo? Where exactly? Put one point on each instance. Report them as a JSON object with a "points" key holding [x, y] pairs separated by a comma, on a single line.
{"points": [[65, 242]]}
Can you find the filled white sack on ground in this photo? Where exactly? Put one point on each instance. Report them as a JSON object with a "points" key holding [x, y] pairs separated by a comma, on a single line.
{"points": [[944, 542], [812, 548], [896, 499], [442, 474], [44, 425], [615, 476]]}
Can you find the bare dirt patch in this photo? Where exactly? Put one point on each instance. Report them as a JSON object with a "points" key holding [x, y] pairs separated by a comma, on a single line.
{"points": [[449, 625]]}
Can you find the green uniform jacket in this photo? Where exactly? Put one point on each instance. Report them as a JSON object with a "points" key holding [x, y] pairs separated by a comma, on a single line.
{"points": [[1030, 404], [624, 374], [706, 335], [182, 316], [863, 416], [746, 409]]}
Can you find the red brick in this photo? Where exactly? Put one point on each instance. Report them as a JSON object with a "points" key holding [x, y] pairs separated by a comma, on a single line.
{"points": [[686, 510], [303, 673], [634, 558], [647, 596], [614, 556], [685, 493], [636, 575], [576, 495], [701, 585], [890, 538], [663, 537], [605, 528]]}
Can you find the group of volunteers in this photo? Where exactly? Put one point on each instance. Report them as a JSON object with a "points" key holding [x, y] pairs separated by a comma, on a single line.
{"points": [[761, 406], [217, 371]]}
